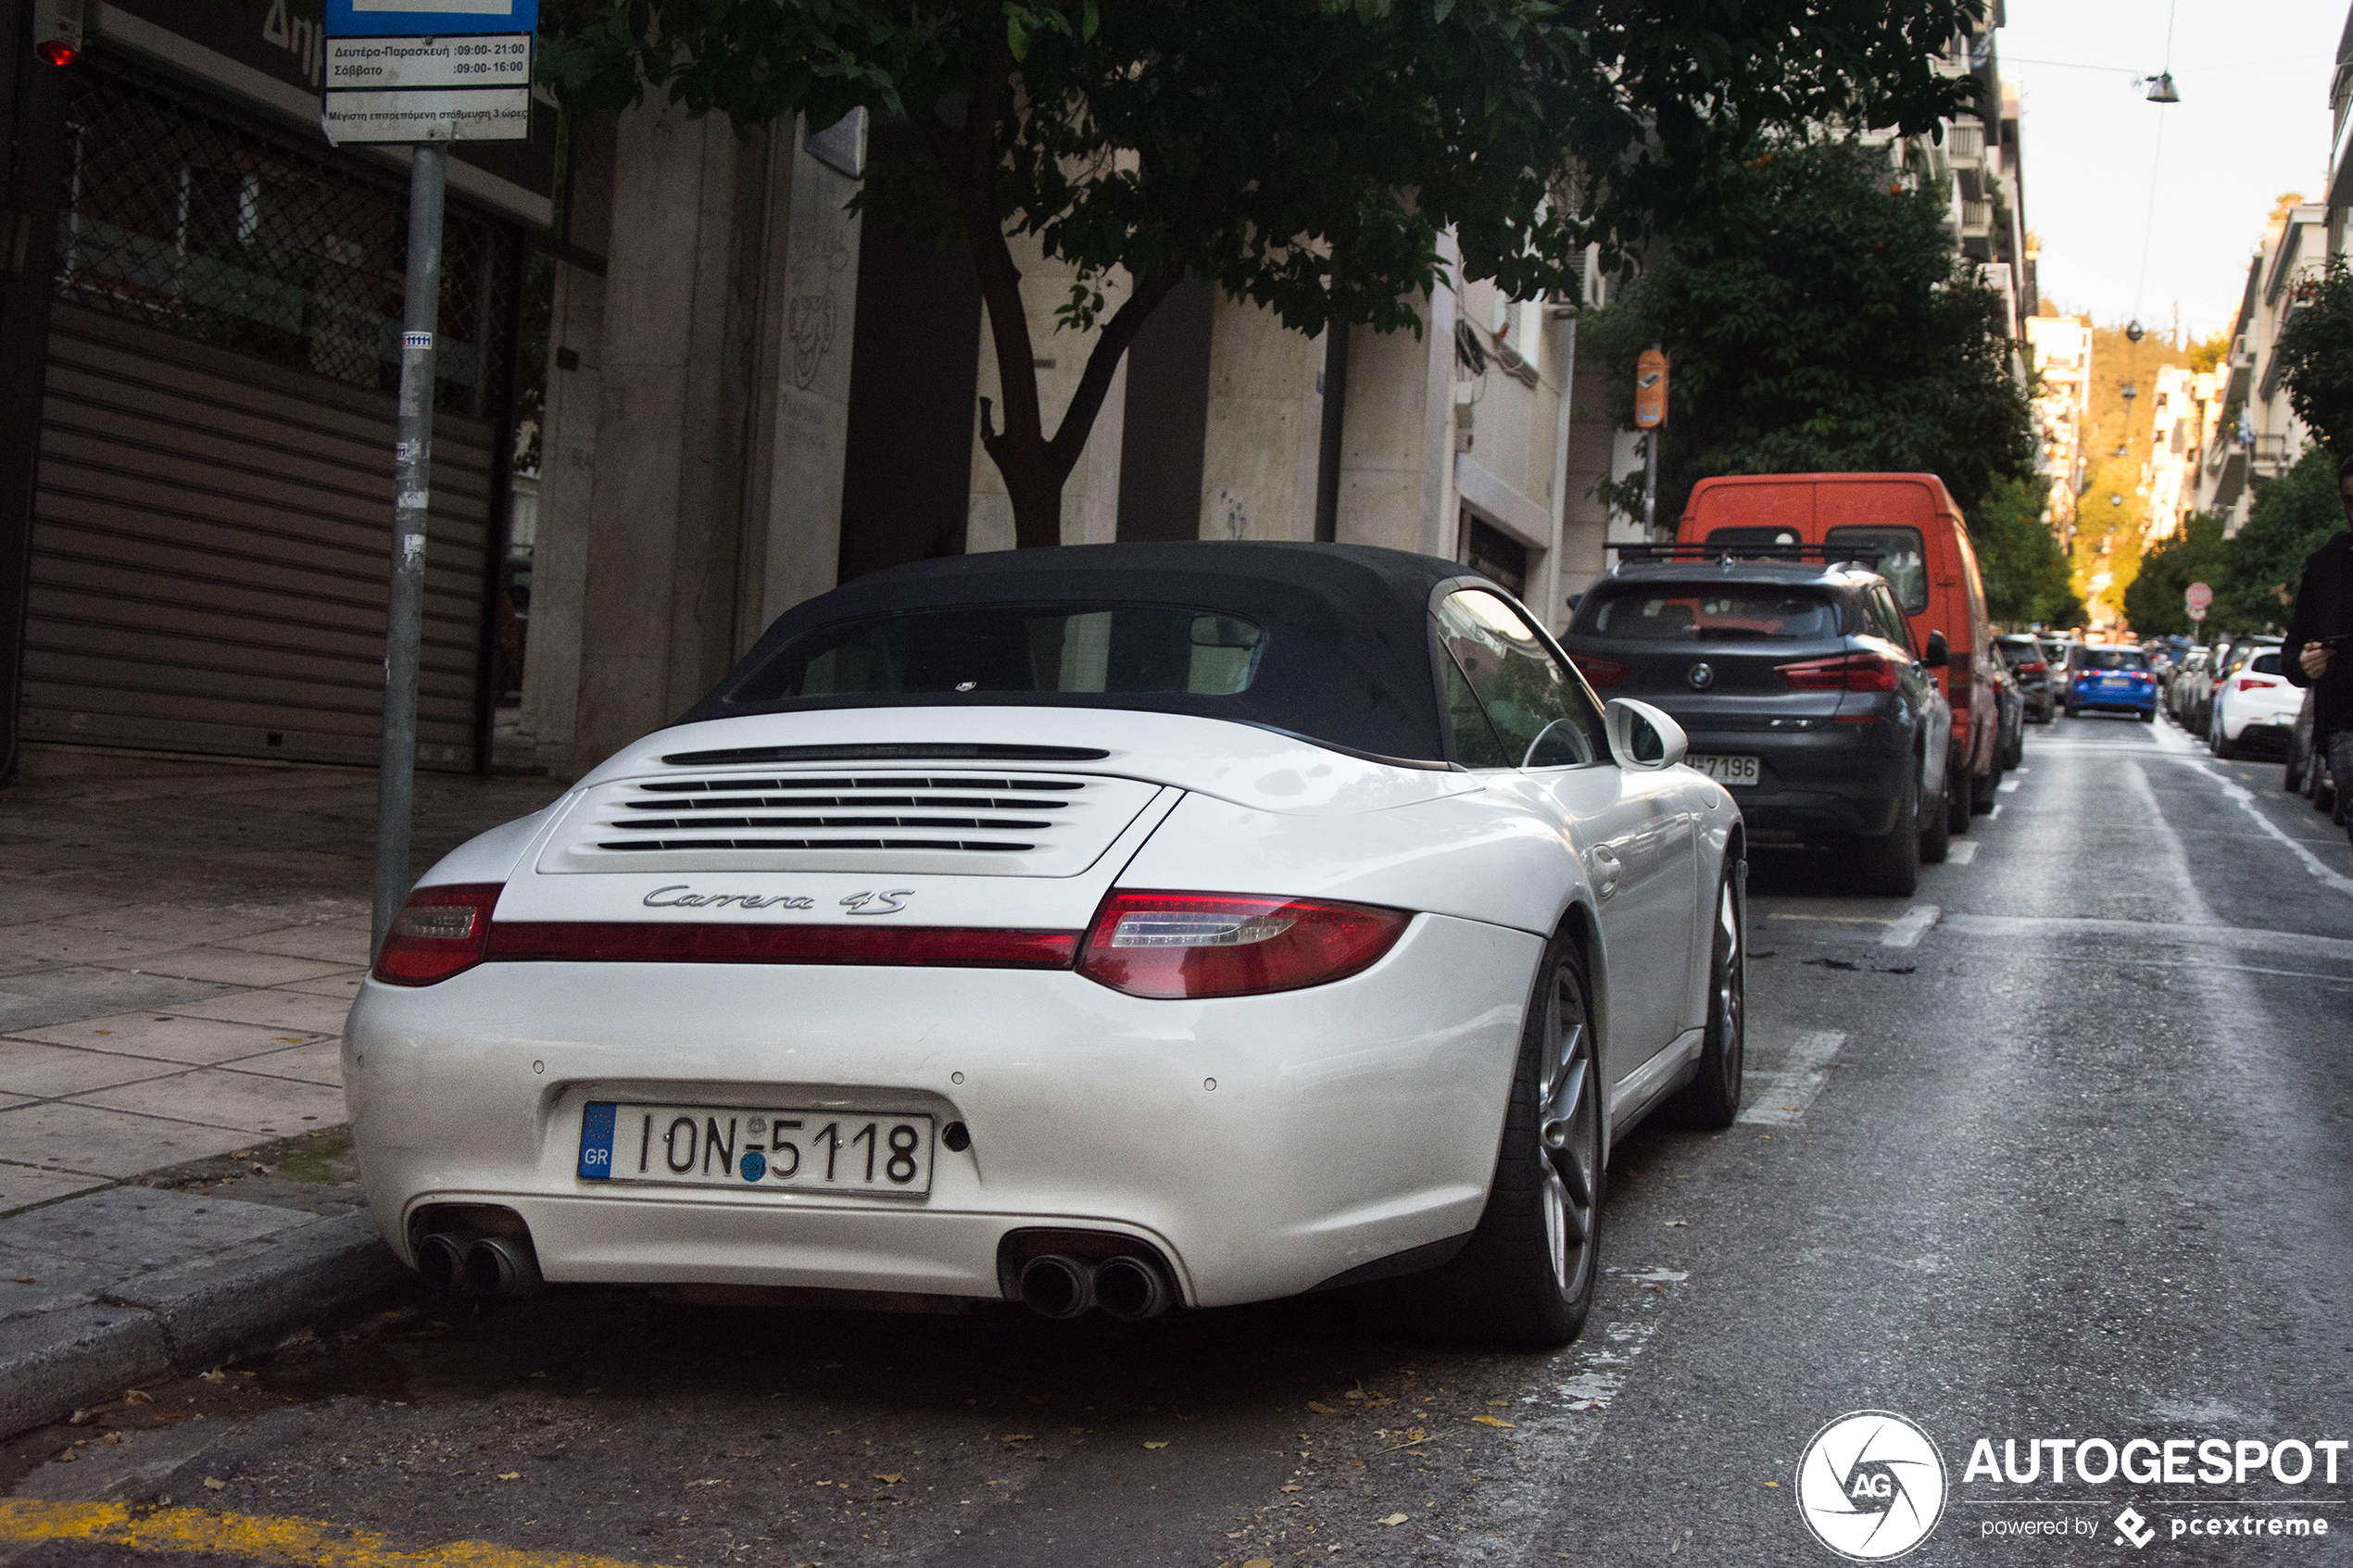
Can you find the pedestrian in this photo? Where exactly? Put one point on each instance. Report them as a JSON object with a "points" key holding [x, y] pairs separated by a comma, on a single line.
{"points": [[2319, 648]]}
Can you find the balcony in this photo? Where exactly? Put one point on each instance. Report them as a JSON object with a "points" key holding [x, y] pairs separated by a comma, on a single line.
{"points": [[1977, 220], [1965, 148]]}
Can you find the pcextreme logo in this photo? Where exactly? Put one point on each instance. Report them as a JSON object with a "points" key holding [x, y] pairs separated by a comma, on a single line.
{"points": [[1870, 1486]]}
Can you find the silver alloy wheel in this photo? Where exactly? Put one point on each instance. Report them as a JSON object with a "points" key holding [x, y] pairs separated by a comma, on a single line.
{"points": [[1731, 987], [1568, 1145]]}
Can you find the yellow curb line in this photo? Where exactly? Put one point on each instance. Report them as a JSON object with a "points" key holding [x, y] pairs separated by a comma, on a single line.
{"points": [[297, 1543]]}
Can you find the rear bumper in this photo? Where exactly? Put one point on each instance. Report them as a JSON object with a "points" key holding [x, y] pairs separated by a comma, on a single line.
{"points": [[1836, 782], [2118, 701], [1348, 1122]]}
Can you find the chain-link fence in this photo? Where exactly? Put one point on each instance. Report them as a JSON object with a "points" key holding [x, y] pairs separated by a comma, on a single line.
{"points": [[192, 218]]}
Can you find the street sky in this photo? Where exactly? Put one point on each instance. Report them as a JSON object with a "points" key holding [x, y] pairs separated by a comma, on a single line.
{"points": [[2253, 122]]}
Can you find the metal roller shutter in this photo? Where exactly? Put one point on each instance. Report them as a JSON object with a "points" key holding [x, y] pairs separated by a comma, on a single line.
{"points": [[213, 518]]}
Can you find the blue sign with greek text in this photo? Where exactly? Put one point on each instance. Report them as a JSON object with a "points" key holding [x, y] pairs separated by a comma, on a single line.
{"points": [[427, 18]]}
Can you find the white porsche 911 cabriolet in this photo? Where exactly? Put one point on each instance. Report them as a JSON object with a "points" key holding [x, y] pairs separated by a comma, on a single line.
{"points": [[1124, 926]]}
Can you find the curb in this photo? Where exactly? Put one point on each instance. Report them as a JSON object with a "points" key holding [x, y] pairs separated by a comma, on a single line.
{"points": [[184, 1318]]}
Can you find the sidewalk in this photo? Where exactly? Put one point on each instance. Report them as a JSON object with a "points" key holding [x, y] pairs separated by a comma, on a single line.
{"points": [[179, 943]]}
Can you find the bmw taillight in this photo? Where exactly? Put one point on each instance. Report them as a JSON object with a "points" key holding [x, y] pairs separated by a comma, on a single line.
{"points": [[1171, 944], [1599, 672], [440, 932], [1848, 672], [2249, 682]]}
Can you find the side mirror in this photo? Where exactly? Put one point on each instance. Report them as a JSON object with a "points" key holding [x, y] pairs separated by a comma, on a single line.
{"points": [[1938, 654], [1642, 738]]}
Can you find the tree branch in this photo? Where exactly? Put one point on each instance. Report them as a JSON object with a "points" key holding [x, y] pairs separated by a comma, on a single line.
{"points": [[1103, 363]]}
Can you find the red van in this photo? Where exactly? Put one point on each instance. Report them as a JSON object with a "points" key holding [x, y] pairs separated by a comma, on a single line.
{"points": [[1908, 520]]}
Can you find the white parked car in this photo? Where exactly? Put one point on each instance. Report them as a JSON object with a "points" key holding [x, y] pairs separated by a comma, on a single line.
{"points": [[2253, 703], [1129, 926]]}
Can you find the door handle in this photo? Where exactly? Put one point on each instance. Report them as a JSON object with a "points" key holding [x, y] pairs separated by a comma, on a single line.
{"points": [[1606, 867]]}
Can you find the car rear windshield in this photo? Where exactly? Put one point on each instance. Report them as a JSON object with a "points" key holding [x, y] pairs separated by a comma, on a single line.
{"points": [[1132, 649], [1712, 612], [2111, 658], [2022, 651]]}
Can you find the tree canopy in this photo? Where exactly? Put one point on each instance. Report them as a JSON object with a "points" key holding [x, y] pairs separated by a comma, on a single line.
{"points": [[1819, 317], [1306, 154], [2026, 573], [2153, 599], [2316, 356]]}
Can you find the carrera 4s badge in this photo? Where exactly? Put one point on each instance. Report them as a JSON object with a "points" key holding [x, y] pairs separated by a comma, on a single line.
{"points": [[683, 896]]}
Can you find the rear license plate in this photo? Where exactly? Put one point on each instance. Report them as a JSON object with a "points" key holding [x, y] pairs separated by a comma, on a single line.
{"points": [[1727, 770], [728, 1146]]}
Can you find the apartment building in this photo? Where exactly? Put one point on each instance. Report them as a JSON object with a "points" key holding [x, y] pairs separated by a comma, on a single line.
{"points": [[2185, 407], [2061, 346], [2255, 433]]}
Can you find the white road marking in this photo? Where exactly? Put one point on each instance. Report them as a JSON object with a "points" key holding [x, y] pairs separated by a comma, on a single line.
{"points": [[1782, 1100], [1906, 931], [2205, 932], [2245, 797], [1961, 854], [1996, 811], [2008, 786]]}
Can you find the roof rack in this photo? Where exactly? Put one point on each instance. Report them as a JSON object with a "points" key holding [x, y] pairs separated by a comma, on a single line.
{"points": [[1654, 555]]}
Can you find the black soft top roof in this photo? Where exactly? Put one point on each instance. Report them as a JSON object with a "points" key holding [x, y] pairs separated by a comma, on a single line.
{"points": [[1347, 641]]}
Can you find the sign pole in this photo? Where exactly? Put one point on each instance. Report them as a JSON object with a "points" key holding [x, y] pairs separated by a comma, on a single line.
{"points": [[413, 482], [1650, 417]]}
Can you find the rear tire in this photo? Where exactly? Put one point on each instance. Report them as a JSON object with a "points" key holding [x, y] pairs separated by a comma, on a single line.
{"points": [[2219, 741], [1712, 1100], [1527, 1275], [2148, 716], [1980, 791], [1936, 836], [1891, 863], [1956, 804]]}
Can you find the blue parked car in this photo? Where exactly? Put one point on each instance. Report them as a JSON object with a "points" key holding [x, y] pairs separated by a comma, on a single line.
{"points": [[2116, 680]]}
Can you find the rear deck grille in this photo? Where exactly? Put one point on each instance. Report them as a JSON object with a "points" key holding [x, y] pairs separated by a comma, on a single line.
{"points": [[1025, 824]]}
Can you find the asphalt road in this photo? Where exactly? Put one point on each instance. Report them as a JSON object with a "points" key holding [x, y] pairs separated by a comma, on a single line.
{"points": [[2054, 1149]]}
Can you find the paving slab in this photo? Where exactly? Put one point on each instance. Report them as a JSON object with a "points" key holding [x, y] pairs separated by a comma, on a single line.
{"points": [[171, 1036], [318, 1063], [55, 942], [56, 995], [24, 1187], [280, 1009], [229, 966], [250, 1101], [179, 924], [44, 1072], [343, 985], [333, 944], [124, 1229], [94, 1141]]}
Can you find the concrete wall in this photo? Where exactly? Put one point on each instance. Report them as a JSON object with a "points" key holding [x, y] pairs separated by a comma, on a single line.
{"points": [[1264, 427]]}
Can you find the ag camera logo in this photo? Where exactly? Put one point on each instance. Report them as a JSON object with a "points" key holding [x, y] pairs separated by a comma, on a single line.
{"points": [[1870, 1486]]}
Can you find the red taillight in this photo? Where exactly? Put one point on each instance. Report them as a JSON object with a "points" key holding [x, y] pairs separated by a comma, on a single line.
{"points": [[2249, 682], [1848, 672], [913, 946], [1599, 672], [440, 932], [58, 52], [2032, 667], [1221, 944]]}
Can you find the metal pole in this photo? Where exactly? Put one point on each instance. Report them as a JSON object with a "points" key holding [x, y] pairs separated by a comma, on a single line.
{"points": [[413, 482], [1650, 481]]}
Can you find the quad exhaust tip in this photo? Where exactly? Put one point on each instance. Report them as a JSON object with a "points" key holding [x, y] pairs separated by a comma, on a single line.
{"points": [[486, 1265], [1129, 1287]]}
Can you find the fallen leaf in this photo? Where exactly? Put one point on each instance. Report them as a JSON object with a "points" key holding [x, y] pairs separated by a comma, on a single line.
{"points": [[1356, 1395], [508, 1475], [1018, 1437], [1294, 1487], [215, 1375], [133, 1397], [889, 1478], [214, 1484], [1155, 1445], [115, 1437], [1494, 1421], [1078, 1431], [1260, 1563], [1775, 1485], [705, 1481], [70, 1455], [1395, 1519], [1321, 1409], [1677, 1224], [1499, 1404], [19, 1279]]}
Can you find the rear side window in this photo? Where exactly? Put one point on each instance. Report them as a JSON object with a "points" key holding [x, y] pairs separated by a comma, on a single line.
{"points": [[1062, 648], [1889, 619], [1735, 611], [2264, 664], [1730, 540], [1903, 559], [1509, 701]]}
